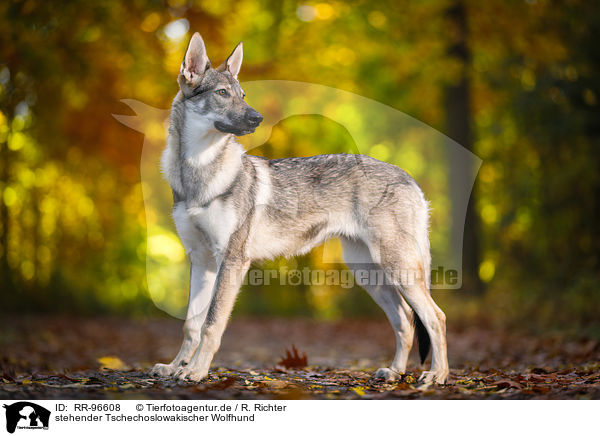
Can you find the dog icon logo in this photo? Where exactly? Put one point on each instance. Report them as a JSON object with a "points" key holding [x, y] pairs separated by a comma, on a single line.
{"points": [[26, 415]]}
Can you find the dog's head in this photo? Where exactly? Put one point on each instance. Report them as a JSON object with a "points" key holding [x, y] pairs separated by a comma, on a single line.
{"points": [[215, 93]]}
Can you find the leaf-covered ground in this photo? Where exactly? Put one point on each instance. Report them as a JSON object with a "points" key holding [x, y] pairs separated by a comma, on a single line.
{"points": [[62, 357]]}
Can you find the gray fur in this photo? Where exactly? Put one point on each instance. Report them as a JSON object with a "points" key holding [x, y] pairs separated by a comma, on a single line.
{"points": [[284, 207]]}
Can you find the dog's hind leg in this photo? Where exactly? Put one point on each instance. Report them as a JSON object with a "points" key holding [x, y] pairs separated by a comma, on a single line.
{"points": [[406, 264], [434, 321], [357, 257], [202, 280]]}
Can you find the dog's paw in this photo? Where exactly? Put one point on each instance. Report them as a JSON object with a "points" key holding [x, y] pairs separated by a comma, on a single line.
{"points": [[387, 374], [197, 376], [163, 370], [191, 374], [430, 377]]}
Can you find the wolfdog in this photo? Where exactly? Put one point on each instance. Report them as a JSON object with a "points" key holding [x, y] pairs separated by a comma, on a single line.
{"points": [[231, 208]]}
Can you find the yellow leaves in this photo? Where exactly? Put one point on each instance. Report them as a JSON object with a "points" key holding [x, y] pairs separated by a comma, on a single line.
{"points": [[26, 177], [377, 19], [155, 130], [358, 390], [112, 362], [409, 379], [487, 269], [380, 151], [528, 79], [85, 206], [489, 214], [74, 95], [10, 196], [164, 246], [412, 161], [3, 127], [27, 269], [150, 22], [17, 141], [324, 11]]}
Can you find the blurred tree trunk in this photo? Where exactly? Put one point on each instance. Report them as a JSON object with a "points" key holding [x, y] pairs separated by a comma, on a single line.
{"points": [[458, 127], [37, 222], [7, 105], [276, 7], [4, 212]]}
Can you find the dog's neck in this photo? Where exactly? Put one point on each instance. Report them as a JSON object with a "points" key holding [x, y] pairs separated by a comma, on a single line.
{"points": [[200, 142], [207, 160]]}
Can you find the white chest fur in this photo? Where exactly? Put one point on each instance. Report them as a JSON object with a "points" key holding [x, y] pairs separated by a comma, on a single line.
{"points": [[212, 225]]}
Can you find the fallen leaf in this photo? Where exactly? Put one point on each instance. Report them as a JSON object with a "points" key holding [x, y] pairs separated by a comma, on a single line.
{"points": [[293, 359], [507, 383], [275, 384], [8, 377], [221, 384], [534, 378], [410, 379], [359, 390], [111, 362], [66, 377]]}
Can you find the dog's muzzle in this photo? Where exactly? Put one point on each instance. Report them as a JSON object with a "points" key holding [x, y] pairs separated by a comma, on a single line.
{"points": [[253, 118]]}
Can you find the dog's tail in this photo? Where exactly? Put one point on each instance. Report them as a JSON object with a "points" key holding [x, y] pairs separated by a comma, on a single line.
{"points": [[422, 338], [423, 243]]}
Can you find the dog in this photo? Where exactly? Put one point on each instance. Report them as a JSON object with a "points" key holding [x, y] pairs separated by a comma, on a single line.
{"points": [[231, 208]]}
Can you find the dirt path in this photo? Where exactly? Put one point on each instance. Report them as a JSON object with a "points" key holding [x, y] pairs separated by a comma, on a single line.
{"points": [[58, 357]]}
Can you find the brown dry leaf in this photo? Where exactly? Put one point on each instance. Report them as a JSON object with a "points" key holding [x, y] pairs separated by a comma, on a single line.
{"points": [[66, 377], [275, 384], [8, 377], [534, 378], [507, 383], [220, 385], [540, 389], [293, 359]]}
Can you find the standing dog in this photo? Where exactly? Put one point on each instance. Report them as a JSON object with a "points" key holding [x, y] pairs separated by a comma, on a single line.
{"points": [[231, 208]]}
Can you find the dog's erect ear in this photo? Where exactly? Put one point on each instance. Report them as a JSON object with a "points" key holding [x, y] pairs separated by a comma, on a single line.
{"points": [[196, 61], [234, 62]]}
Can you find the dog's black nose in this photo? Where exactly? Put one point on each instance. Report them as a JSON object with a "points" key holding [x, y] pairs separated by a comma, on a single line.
{"points": [[254, 117]]}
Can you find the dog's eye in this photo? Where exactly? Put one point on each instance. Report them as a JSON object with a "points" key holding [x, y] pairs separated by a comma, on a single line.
{"points": [[222, 92]]}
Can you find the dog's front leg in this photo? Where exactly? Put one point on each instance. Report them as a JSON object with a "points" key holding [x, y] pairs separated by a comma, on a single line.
{"points": [[202, 280], [229, 279]]}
